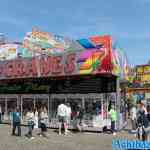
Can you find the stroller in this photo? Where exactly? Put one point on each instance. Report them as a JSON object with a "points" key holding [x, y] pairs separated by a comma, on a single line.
{"points": [[142, 123]]}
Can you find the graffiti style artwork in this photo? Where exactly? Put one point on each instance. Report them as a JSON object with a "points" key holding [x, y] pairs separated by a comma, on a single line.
{"points": [[44, 54], [96, 56], [37, 42], [8, 51]]}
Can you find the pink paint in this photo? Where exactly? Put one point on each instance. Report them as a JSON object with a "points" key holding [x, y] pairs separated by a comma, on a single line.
{"points": [[86, 54]]}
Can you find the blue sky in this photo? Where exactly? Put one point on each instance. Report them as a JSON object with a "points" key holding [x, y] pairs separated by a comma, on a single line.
{"points": [[128, 21]]}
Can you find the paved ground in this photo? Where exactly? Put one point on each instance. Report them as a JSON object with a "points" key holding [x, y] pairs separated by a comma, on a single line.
{"points": [[73, 141]]}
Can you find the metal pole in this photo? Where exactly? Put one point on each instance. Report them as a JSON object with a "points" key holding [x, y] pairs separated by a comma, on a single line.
{"points": [[21, 103], [6, 110], [34, 101], [118, 102], [102, 109], [83, 102], [48, 110]]}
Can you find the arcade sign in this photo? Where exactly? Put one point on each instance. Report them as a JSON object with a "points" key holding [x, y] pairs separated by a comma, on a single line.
{"points": [[143, 73], [44, 66]]}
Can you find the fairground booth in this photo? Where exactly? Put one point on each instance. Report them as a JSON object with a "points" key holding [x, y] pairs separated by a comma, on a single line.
{"points": [[140, 87], [46, 70]]}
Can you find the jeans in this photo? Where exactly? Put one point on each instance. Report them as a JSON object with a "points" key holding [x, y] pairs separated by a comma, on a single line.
{"points": [[16, 125], [113, 126], [30, 127], [133, 124]]}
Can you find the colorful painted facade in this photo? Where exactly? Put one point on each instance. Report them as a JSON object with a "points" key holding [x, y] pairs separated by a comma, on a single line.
{"points": [[44, 54], [143, 73]]}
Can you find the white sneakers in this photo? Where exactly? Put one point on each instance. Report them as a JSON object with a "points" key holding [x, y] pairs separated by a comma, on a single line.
{"points": [[114, 133], [61, 134], [32, 138]]}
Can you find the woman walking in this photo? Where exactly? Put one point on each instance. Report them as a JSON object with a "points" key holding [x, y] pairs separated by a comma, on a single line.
{"points": [[30, 122], [43, 122]]}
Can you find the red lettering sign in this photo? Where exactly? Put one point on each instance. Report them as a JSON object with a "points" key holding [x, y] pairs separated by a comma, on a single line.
{"points": [[45, 65], [57, 67], [70, 64], [9, 69], [31, 67], [18, 69], [1, 70]]}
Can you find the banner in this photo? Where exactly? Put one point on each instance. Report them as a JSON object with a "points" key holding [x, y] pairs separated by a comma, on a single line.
{"points": [[8, 51], [143, 73], [43, 54]]}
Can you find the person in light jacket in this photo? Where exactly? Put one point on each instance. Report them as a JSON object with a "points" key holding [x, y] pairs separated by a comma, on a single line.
{"points": [[43, 122], [30, 122]]}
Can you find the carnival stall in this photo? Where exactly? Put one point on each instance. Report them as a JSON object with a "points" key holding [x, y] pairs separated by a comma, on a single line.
{"points": [[47, 69]]}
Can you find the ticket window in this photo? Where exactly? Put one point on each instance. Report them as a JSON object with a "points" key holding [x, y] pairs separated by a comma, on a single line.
{"points": [[40, 103], [55, 102], [92, 107], [27, 103], [74, 103], [3, 106], [93, 111], [11, 105]]}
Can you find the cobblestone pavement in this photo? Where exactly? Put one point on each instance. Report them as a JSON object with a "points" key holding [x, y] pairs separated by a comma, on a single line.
{"points": [[72, 141]]}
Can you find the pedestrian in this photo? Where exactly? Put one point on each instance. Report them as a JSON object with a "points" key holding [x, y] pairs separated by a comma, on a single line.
{"points": [[43, 122], [133, 118], [143, 129], [148, 112], [142, 107], [30, 121], [16, 122], [79, 117], [68, 116], [113, 116], [62, 115]]}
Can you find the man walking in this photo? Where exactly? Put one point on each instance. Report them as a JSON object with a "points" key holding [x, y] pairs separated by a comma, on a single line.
{"points": [[16, 122], [62, 114], [133, 118]]}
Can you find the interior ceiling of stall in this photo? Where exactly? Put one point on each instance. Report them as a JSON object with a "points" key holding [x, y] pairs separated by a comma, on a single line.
{"points": [[75, 84]]}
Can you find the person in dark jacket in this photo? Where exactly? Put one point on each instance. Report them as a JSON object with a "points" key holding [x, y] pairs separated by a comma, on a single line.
{"points": [[142, 125], [16, 122], [148, 112], [79, 117]]}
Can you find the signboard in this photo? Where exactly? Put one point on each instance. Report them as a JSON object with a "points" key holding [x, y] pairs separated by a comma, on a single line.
{"points": [[143, 73], [44, 55], [147, 95], [140, 70], [8, 51], [44, 66]]}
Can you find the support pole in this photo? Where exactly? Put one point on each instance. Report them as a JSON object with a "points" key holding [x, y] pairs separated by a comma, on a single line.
{"points": [[34, 101], [48, 108], [21, 105], [118, 103], [83, 102], [6, 110]]}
